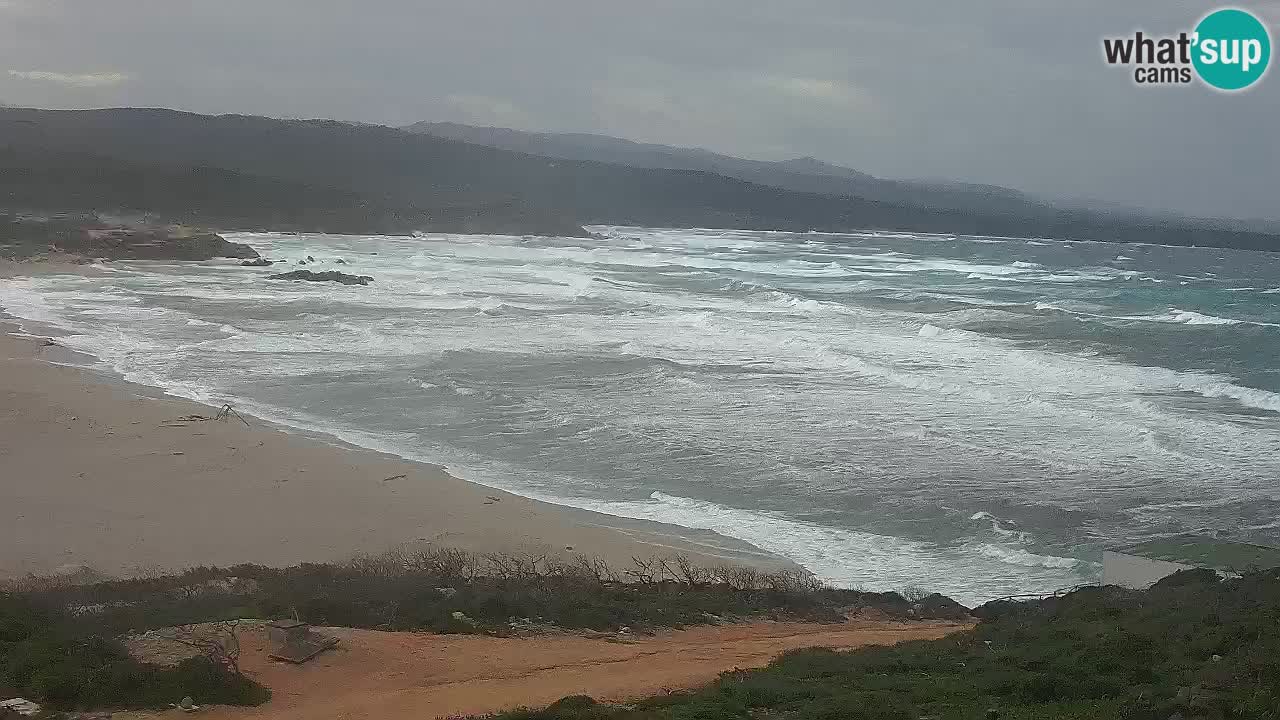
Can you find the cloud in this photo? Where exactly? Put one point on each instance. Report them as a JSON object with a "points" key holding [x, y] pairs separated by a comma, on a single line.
{"points": [[1009, 92], [79, 80], [488, 110], [811, 89]]}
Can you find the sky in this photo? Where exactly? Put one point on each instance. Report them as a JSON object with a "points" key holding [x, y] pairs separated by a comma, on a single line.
{"points": [[1008, 92]]}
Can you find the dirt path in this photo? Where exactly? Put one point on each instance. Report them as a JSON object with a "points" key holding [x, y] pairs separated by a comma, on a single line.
{"points": [[418, 676]]}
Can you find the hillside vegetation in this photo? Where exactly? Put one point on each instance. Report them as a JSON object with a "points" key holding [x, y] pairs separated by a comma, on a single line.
{"points": [[455, 184], [427, 590], [1192, 647], [60, 641], [48, 654], [77, 181]]}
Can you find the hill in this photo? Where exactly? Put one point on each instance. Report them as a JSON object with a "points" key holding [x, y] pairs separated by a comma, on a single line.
{"points": [[488, 189], [805, 174]]}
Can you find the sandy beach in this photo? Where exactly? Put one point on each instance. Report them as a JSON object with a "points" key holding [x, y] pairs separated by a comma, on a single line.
{"points": [[100, 473]]}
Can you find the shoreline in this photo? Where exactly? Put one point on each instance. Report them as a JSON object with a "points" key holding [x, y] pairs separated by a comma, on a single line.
{"points": [[102, 473]]}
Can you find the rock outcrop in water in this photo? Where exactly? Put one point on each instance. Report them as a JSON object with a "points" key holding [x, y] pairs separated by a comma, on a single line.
{"points": [[326, 276], [259, 262]]}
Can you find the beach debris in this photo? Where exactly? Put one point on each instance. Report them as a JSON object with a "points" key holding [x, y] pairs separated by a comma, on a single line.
{"points": [[463, 618], [48, 343], [294, 641], [491, 499], [20, 706], [226, 412], [183, 421], [326, 276], [623, 637], [401, 476]]}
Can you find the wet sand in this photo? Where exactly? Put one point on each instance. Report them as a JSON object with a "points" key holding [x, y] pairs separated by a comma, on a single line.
{"points": [[101, 473]]}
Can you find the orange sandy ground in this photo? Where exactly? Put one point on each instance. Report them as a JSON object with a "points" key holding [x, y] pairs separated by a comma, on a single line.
{"points": [[419, 676]]}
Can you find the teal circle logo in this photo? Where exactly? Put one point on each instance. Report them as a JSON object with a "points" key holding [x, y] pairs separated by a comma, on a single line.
{"points": [[1231, 49]]}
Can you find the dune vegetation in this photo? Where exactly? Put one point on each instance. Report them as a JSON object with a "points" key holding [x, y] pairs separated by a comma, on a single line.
{"points": [[1191, 647]]}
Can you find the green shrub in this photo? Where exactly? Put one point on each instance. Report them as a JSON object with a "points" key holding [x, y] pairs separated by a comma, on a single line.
{"points": [[45, 656], [1093, 654]]}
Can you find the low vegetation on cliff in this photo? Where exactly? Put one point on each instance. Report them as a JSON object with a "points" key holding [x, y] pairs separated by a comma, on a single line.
{"points": [[1192, 647], [454, 591], [59, 641], [50, 655]]}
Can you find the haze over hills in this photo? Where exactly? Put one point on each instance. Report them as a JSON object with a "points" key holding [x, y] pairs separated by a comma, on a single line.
{"points": [[345, 177], [806, 174]]}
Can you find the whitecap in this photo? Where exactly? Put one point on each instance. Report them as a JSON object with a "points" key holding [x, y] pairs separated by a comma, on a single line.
{"points": [[1018, 556], [852, 558], [1247, 396]]}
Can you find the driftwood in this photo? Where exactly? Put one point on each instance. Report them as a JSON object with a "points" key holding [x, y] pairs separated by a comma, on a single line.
{"points": [[219, 642], [226, 412]]}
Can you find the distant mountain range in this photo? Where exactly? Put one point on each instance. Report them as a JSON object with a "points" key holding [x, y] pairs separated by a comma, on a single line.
{"points": [[323, 175], [807, 174]]}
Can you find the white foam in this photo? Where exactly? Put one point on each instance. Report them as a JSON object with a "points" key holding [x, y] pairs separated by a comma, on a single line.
{"points": [[950, 403], [1194, 318], [1172, 316], [1018, 556], [1247, 396], [998, 526], [859, 559]]}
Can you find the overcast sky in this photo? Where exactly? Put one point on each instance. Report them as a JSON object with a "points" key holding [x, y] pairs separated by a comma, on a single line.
{"points": [[1011, 92]]}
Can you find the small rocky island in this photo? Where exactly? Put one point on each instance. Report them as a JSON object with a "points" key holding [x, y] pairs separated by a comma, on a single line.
{"points": [[326, 276]]}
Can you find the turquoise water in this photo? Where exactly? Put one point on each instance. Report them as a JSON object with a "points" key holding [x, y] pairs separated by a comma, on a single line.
{"points": [[974, 415]]}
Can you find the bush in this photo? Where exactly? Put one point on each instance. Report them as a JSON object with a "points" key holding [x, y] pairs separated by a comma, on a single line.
{"points": [[1094, 653], [45, 656], [422, 591]]}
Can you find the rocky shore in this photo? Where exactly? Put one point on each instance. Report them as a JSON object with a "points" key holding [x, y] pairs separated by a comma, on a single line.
{"points": [[29, 238]]}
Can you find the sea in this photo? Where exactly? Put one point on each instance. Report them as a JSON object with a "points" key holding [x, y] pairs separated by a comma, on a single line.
{"points": [[976, 416]]}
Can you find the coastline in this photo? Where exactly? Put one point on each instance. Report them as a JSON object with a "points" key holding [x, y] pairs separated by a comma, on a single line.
{"points": [[103, 474]]}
